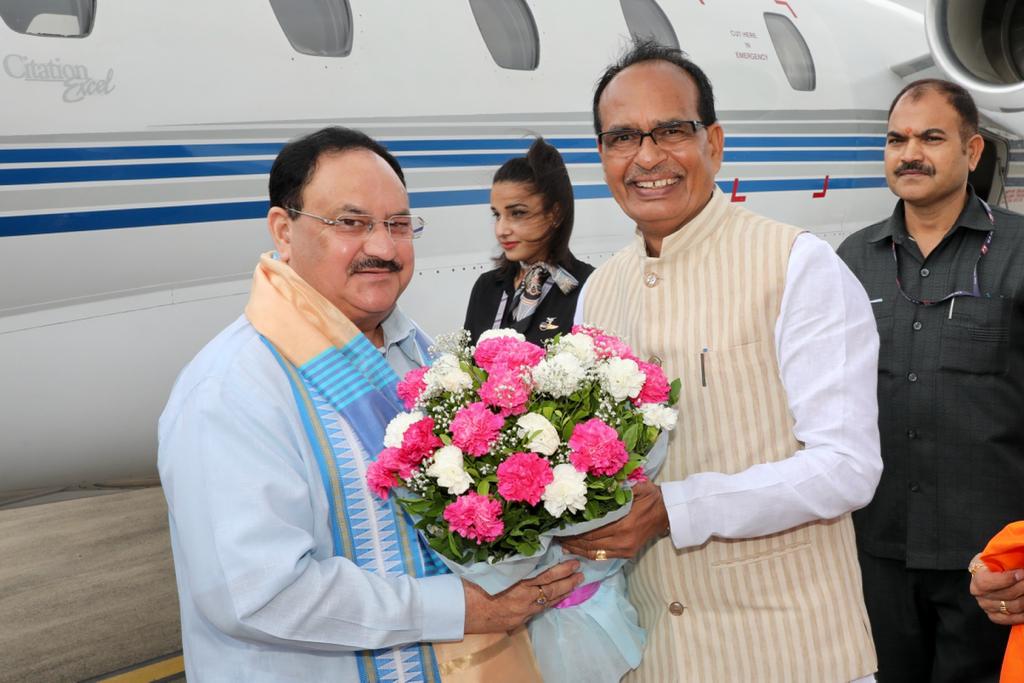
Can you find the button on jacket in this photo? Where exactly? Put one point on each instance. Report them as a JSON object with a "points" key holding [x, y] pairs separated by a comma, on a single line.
{"points": [[950, 386]]}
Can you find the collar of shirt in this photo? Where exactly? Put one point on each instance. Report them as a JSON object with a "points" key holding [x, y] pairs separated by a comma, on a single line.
{"points": [[400, 348], [691, 233], [973, 217]]}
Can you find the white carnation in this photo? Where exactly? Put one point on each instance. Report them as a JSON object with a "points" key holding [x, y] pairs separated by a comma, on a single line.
{"points": [[446, 375], [621, 377], [568, 491], [579, 345], [559, 376], [547, 441], [396, 428], [448, 469], [658, 415], [501, 332]]}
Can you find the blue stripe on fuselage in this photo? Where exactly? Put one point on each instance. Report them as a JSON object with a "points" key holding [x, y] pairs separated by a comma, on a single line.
{"points": [[138, 152], [106, 219]]}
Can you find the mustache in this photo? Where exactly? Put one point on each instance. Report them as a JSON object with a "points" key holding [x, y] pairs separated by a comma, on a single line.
{"points": [[374, 263], [918, 166]]}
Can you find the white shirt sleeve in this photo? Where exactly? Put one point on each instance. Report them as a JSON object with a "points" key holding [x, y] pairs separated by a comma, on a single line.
{"points": [[245, 546], [577, 318], [826, 342]]}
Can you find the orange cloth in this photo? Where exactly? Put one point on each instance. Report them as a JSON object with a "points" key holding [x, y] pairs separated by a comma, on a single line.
{"points": [[1003, 553]]}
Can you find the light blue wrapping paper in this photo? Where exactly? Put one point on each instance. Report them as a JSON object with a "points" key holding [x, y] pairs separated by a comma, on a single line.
{"points": [[597, 641]]}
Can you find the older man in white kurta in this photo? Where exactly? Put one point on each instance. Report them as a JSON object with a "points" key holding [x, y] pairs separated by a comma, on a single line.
{"points": [[753, 572]]}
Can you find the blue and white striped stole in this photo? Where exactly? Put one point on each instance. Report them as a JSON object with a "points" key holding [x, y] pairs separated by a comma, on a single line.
{"points": [[346, 397]]}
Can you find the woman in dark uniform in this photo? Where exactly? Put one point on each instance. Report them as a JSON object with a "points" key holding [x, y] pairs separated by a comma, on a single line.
{"points": [[537, 280]]}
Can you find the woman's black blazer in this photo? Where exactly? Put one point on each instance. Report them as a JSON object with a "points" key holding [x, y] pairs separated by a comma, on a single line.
{"points": [[554, 315]]}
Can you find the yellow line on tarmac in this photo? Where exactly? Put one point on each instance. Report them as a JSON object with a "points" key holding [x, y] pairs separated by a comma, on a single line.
{"points": [[151, 672]]}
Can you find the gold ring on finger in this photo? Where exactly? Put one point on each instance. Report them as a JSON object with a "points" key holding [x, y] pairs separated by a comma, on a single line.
{"points": [[600, 555], [1002, 607], [542, 599]]}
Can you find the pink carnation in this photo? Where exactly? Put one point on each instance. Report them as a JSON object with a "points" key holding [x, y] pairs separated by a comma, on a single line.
{"points": [[605, 345], [474, 428], [493, 353], [411, 386], [475, 517], [418, 442], [507, 390], [381, 478], [523, 476], [398, 461], [638, 475], [595, 448], [656, 388]]}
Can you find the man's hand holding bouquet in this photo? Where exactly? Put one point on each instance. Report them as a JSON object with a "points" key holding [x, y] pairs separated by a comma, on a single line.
{"points": [[507, 446]]}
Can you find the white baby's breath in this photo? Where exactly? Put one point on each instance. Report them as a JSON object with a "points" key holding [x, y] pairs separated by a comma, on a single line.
{"points": [[396, 428], [568, 491], [559, 376], [546, 441], [621, 377], [447, 467], [658, 415]]}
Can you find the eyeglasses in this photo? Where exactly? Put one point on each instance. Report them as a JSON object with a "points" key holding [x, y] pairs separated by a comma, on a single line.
{"points": [[628, 140], [402, 227], [976, 289]]}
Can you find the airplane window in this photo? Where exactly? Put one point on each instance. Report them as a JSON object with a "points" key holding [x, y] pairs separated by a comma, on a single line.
{"points": [[508, 29], [645, 19], [61, 18], [790, 46], [316, 27]]}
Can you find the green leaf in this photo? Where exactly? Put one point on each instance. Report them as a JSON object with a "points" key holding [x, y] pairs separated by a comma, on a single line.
{"points": [[445, 439], [673, 393], [630, 437], [484, 487], [620, 497]]}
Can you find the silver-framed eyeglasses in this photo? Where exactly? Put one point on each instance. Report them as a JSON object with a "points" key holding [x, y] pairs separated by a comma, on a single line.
{"points": [[628, 140], [399, 227]]}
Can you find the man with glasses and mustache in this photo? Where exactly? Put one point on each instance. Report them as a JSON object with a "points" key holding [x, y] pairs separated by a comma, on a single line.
{"points": [[752, 572], [289, 565], [944, 274]]}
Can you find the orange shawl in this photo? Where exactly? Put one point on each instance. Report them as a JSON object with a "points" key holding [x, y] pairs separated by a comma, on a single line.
{"points": [[1003, 553]]}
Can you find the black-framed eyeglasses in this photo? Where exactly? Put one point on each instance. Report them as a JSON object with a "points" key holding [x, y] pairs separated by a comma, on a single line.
{"points": [[975, 287], [400, 227], [669, 135]]}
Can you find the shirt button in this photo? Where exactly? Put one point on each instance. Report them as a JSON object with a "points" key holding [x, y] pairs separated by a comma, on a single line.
{"points": [[917, 325], [912, 377], [925, 272], [911, 434], [914, 487], [654, 360], [676, 608], [651, 279]]}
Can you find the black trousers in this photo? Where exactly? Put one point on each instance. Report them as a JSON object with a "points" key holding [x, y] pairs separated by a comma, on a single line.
{"points": [[927, 626]]}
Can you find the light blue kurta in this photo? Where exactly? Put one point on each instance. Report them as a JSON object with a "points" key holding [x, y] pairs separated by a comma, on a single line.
{"points": [[262, 596]]}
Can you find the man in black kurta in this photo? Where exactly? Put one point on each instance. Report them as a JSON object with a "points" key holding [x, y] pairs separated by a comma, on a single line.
{"points": [[945, 274]]}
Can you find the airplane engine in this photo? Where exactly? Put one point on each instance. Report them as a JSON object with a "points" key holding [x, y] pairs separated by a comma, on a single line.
{"points": [[980, 45]]}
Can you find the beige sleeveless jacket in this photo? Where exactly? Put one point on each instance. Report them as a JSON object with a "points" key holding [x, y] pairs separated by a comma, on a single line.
{"points": [[786, 607]]}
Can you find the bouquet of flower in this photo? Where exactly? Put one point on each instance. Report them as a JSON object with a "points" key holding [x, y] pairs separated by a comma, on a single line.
{"points": [[508, 444]]}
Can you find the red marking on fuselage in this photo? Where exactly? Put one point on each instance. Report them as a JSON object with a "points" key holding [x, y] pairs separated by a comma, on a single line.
{"points": [[823, 192], [787, 6], [736, 196]]}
